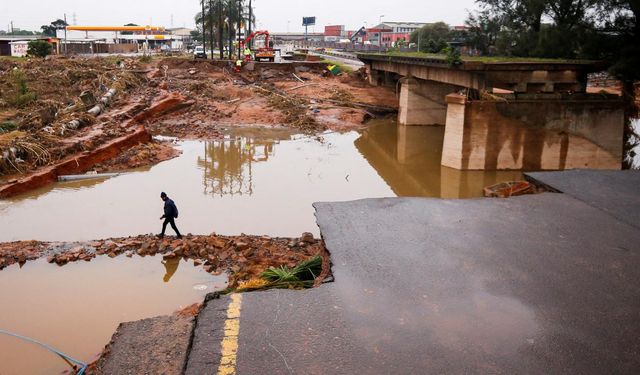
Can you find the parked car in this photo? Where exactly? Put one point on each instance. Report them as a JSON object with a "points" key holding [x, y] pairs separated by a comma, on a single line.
{"points": [[199, 53]]}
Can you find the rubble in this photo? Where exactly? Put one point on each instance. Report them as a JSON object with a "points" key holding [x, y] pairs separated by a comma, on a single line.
{"points": [[242, 257]]}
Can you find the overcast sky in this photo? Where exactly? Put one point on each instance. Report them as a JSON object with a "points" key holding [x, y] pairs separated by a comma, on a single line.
{"points": [[274, 15]]}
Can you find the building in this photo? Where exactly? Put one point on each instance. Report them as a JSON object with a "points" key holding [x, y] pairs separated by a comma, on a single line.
{"points": [[296, 37], [184, 33], [334, 33], [16, 45], [118, 39], [388, 33]]}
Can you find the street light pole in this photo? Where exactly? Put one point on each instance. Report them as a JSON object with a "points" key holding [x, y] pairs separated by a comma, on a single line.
{"points": [[380, 34]]}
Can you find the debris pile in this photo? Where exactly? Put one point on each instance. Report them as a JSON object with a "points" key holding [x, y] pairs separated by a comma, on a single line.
{"points": [[242, 257], [45, 104]]}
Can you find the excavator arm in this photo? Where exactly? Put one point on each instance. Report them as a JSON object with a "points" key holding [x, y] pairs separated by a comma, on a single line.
{"points": [[255, 34]]}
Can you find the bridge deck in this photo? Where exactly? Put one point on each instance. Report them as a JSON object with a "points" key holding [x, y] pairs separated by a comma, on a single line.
{"points": [[519, 75]]}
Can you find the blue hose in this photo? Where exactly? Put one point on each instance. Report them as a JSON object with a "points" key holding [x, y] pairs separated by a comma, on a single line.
{"points": [[83, 366]]}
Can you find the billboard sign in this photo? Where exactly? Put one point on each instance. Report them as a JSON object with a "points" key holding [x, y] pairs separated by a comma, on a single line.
{"points": [[308, 21]]}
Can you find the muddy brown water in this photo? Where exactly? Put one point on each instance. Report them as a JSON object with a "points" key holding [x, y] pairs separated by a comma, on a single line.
{"points": [[258, 182], [77, 308]]}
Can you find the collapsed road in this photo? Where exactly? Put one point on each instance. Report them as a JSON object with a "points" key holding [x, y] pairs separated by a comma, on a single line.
{"points": [[552, 289]]}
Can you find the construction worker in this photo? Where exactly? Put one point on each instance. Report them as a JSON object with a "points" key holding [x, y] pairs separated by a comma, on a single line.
{"points": [[247, 54], [238, 67]]}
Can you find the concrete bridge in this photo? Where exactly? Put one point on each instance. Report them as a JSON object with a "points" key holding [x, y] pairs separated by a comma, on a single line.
{"points": [[530, 115]]}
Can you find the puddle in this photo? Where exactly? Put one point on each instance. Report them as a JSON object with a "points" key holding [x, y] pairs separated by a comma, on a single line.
{"points": [[77, 308], [261, 182]]}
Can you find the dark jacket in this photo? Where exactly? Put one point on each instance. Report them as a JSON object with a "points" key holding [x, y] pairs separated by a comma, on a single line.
{"points": [[170, 209]]}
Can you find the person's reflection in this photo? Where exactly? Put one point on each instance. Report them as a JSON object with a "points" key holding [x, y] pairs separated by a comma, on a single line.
{"points": [[171, 266]]}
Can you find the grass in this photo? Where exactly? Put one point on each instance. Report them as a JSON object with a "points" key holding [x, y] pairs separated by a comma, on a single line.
{"points": [[12, 58], [300, 277], [484, 59], [8, 126]]}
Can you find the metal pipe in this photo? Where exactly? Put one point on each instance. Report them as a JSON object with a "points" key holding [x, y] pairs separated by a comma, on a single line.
{"points": [[82, 177]]}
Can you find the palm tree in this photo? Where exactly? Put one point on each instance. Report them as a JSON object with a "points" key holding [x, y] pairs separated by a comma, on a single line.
{"points": [[224, 16]]}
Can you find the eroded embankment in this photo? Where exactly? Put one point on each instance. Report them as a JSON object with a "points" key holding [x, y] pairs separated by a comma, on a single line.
{"points": [[83, 162]]}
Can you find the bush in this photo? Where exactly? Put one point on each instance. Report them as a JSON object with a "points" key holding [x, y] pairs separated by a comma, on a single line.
{"points": [[22, 96], [39, 48], [7, 126], [453, 56]]}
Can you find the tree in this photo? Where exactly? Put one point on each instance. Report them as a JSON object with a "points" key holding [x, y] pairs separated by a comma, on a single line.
{"points": [[482, 31], [128, 32], [39, 48], [432, 38], [51, 29]]}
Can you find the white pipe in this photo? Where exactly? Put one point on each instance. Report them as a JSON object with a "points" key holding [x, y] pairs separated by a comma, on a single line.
{"points": [[87, 176]]}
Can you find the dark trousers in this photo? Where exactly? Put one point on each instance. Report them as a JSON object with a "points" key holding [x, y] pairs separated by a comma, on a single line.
{"points": [[171, 221]]}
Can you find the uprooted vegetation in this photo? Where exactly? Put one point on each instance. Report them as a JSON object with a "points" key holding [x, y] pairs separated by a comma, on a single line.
{"points": [[41, 107], [303, 97]]}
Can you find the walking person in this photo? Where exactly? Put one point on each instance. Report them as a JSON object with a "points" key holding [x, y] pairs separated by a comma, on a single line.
{"points": [[170, 215]]}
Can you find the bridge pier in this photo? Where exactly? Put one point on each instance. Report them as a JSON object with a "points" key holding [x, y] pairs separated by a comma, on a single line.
{"points": [[534, 132], [423, 102]]}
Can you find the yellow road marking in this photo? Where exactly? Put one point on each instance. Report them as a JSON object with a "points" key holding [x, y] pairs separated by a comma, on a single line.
{"points": [[230, 340]]}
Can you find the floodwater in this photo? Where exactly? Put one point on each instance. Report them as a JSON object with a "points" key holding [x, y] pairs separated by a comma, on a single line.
{"points": [[258, 181], [77, 308]]}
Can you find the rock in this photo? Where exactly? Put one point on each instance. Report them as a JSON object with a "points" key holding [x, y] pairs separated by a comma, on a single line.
{"points": [[203, 253], [129, 254], [178, 251], [50, 259], [307, 238], [240, 245], [112, 255], [223, 255], [217, 242], [197, 262], [169, 255], [209, 269], [77, 250]]}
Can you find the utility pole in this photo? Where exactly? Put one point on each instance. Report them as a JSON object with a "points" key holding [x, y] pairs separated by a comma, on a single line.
{"points": [[11, 27], [65, 34], [220, 30], [251, 24], [204, 29], [211, 43], [239, 28]]}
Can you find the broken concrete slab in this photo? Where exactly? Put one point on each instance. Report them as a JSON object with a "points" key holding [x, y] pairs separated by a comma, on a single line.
{"points": [[206, 350], [534, 284], [615, 192], [150, 346]]}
